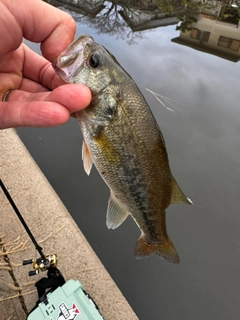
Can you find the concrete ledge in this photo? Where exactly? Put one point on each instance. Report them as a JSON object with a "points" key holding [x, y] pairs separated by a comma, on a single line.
{"points": [[55, 231]]}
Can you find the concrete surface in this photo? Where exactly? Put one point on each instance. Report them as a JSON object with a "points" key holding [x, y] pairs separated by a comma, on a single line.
{"points": [[55, 231]]}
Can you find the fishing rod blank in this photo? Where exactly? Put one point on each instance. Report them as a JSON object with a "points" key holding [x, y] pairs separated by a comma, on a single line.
{"points": [[39, 249]]}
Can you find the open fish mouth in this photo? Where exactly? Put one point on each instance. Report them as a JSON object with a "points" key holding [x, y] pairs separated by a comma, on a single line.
{"points": [[70, 61]]}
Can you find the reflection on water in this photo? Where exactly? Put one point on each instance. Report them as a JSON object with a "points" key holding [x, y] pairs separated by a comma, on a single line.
{"points": [[212, 27], [208, 26], [195, 99], [121, 18]]}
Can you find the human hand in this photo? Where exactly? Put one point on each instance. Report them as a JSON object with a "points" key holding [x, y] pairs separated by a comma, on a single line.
{"points": [[38, 97]]}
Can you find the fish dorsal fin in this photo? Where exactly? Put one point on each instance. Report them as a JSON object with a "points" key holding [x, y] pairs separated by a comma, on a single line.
{"points": [[177, 195], [86, 157], [116, 213]]}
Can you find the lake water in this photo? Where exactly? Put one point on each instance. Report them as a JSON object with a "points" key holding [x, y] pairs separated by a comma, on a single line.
{"points": [[197, 109]]}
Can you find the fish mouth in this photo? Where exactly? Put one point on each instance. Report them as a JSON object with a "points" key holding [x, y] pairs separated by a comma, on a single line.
{"points": [[69, 62]]}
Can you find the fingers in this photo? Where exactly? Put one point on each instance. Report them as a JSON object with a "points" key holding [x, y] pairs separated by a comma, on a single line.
{"points": [[30, 73], [38, 22], [43, 109], [39, 70], [33, 104], [32, 114], [74, 96]]}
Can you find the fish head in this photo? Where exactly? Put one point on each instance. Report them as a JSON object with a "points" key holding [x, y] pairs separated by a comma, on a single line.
{"points": [[84, 61], [71, 59]]}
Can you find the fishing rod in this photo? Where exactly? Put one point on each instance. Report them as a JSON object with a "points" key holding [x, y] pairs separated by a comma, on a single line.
{"points": [[57, 299], [44, 262], [10, 199]]}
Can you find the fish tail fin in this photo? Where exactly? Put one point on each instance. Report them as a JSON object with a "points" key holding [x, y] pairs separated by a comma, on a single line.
{"points": [[165, 250]]}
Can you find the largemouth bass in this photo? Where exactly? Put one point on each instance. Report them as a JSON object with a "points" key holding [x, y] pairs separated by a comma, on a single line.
{"points": [[124, 141]]}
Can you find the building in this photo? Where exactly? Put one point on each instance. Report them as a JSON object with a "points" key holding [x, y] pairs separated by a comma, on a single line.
{"points": [[214, 34]]}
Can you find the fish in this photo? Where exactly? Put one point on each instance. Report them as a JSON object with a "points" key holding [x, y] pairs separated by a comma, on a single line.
{"points": [[122, 139]]}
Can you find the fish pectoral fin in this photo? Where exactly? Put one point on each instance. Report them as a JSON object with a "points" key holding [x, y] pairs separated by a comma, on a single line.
{"points": [[116, 213], [177, 195], [86, 157], [165, 250]]}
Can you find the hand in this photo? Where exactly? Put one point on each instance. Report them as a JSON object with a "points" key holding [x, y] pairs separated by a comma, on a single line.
{"points": [[38, 97]]}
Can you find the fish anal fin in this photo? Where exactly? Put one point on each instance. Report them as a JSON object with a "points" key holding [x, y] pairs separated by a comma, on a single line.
{"points": [[165, 249], [177, 195], [116, 213], [86, 157]]}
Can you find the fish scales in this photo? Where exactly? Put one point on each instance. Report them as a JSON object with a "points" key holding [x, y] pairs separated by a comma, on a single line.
{"points": [[124, 141], [133, 172]]}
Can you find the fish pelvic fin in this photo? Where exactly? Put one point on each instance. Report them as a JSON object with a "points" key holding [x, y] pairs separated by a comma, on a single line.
{"points": [[165, 250], [177, 195], [86, 157], [116, 212]]}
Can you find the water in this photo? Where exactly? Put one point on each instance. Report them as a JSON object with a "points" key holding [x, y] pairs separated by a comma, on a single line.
{"points": [[201, 128]]}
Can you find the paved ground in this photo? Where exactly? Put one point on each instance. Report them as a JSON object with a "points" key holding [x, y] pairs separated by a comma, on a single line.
{"points": [[56, 232]]}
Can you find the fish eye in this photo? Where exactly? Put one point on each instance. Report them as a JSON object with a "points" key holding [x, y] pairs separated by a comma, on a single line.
{"points": [[94, 60]]}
